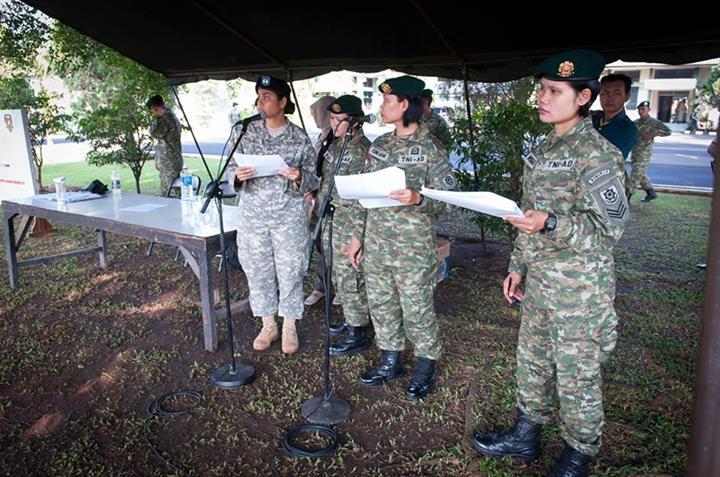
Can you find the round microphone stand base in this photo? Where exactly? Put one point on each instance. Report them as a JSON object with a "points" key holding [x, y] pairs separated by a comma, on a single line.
{"points": [[225, 378], [327, 411]]}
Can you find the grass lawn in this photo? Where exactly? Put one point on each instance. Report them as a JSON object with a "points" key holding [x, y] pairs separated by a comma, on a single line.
{"points": [[85, 351], [80, 174]]}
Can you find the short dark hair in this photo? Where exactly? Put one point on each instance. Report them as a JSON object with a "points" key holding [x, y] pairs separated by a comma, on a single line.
{"points": [[414, 112], [618, 77], [156, 100], [594, 86]]}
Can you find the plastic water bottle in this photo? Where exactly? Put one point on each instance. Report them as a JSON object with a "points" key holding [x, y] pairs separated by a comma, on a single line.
{"points": [[115, 183], [186, 190]]}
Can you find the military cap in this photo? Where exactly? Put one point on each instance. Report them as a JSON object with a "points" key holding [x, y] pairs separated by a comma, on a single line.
{"points": [[273, 84], [408, 85], [643, 103], [427, 93], [348, 103], [156, 100], [571, 66]]}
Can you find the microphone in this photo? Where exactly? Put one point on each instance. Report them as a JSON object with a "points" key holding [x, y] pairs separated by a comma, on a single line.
{"points": [[368, 118], [249, 119]]}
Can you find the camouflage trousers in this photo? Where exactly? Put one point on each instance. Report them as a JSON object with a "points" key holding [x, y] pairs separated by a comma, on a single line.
{"points": [[400, 279], [274, 251], [349, 283], [168, 168], [560, 353], [638, 177]]}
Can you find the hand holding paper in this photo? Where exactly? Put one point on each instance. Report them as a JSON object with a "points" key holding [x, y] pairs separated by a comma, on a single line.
{"points": [[373, 188], [264, 165], [486, 202]]}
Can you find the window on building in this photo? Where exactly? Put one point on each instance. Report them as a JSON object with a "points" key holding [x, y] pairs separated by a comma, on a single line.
{"points": [[677, 73]]}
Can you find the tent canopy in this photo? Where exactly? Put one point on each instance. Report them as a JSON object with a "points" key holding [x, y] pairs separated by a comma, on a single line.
{"points": [[192, 40]]}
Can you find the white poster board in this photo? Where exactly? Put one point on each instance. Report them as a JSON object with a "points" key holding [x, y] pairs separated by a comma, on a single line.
{"points": [[17, 169]]}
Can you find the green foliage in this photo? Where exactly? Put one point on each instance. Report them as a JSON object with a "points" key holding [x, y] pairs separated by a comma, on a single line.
{"points": [[504, 132], [109, 110], [22, 34], [708, 91]]}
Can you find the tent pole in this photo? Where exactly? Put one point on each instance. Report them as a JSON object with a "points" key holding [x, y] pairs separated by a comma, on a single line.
{"points": [[471, 128], [704, 445], [292, 87], [174, 90]]}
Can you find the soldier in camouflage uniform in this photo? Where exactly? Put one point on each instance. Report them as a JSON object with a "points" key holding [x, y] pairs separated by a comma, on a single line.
{"points": [[348, 221], [273, 237], [648, 129], [575, 212], [434, 122], [399, 242], [168, 152]]}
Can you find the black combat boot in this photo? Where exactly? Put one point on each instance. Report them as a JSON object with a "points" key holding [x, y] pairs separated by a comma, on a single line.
{"points": [[355, 340], [391, 367], [422, 380], [649, 195], [522, 441], [571, 463], [338, 328]]}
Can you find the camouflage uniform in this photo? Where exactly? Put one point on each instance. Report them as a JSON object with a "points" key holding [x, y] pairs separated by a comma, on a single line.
{"points": [[168, 152], [348, 221], [568, 324], [439, 128], [273, 239], [399, 245], [642, 152]]}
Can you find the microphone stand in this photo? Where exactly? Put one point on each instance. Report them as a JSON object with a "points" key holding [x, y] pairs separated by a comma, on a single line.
{"points": [[327, 409], [232, 375]]}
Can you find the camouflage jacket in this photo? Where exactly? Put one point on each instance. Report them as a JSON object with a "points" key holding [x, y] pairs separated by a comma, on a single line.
{"points": [[439, 128], [575, 176], [425, 162], [274, 192], [644, 147], [166, 129], [353, 162]]}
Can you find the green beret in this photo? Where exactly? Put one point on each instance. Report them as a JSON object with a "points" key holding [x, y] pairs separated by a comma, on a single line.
{"points": [[280, 87], [408, 85], [571, 66], [348, 103], [643, 103], [427, 93]]}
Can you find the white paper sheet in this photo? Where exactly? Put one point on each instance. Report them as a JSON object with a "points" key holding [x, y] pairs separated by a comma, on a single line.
{"points": [[486, 202], [264, 165], [143, 208], [373, 188]]}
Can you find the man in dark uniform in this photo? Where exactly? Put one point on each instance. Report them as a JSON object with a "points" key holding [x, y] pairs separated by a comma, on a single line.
{"points": [[612, 122]]}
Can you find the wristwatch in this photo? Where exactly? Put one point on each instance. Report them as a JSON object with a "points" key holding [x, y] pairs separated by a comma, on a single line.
{"points": [[550, 223]]}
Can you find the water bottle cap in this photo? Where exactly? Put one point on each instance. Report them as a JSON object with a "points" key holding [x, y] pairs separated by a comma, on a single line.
{"points": [[59, 179]]}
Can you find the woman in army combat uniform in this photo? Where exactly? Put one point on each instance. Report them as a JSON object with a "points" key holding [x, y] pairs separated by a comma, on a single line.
{"points": [[399, 242], [273, 237], [575, 212]]}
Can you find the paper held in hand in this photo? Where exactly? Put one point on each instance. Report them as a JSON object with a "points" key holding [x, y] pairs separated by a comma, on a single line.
{"points": [[264, 165], [373, 188], [486, 202]]}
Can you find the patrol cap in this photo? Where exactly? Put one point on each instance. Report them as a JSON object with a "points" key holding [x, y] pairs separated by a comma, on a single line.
{"points": [[643, 103], [280, 87], [575, 65], [156, 100], [408, 85], [348, 103], [427, 93]]}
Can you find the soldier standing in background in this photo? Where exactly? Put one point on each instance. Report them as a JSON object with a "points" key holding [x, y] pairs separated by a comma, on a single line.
{"points": [[168, 151], [348, 221], [575, 212], [399, 242], [273, 237], [648, 129], [434, 122]]}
